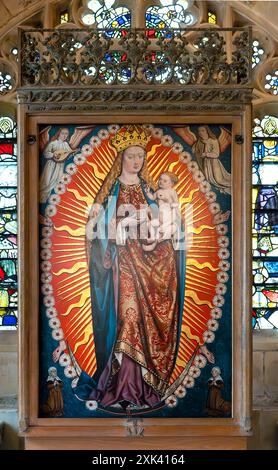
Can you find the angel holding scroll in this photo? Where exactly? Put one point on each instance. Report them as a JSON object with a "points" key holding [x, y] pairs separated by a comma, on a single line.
{"points": [[207, 148]]}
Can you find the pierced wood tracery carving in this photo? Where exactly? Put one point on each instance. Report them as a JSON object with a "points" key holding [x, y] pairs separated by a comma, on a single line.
{"points": [[82, 65]]}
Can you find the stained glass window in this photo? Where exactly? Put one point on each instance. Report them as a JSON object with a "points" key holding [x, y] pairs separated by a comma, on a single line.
{"points": [[271, 82], [212, 17], [14, 51], [265, 223], [170, 14], [5, 82], [106, 16], [8, 225], [64, 17], [258, 53]]}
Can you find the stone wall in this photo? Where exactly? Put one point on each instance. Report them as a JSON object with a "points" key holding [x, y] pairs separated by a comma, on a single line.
{"points": [[265, 390], [8, 364], [9, 389], [265, 369]]}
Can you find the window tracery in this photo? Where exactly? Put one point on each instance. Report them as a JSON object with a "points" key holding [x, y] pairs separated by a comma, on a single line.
{"points": [[271, 84], [258, 52], [212, 17], [170, 14], [106, 15]]}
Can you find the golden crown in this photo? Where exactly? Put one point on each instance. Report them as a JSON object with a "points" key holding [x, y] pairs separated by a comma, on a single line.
{"points": [[130, 135]]}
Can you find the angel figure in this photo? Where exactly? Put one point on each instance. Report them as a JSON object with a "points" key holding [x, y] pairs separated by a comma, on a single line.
{"points": [[207, 149], [56, 151]]}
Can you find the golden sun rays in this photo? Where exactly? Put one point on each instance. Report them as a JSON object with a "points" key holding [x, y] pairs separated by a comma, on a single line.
{"points": [[71, 278]]}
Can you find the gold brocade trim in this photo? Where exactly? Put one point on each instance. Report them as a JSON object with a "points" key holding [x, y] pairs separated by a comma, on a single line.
{"points": [[115, 367], [127, 187], [131, 348], [122, 346], [158, 385], [126, 348], [151, 378]]}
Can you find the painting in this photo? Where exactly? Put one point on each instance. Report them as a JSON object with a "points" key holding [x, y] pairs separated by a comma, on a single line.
{"points": [[135, 270]]}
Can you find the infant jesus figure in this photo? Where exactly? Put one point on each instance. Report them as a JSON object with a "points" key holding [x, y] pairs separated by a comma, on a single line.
{"points": [[164, 226]]}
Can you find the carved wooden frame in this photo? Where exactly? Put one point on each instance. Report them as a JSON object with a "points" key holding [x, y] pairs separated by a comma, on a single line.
{"points": [[64, 106]]}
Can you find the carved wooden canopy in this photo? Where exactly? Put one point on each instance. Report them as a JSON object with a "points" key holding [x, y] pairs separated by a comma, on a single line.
{"points": [[70, 69]]}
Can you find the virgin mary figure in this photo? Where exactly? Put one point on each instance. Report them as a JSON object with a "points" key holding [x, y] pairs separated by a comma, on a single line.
{"points": [[137, 296]]}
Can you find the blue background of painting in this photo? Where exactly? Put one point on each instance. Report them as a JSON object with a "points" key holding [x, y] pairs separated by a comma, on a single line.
{"points": [[194, 403]]}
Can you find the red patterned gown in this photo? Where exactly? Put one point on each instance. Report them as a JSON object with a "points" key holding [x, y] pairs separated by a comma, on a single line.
{"points": [[147, 319]]}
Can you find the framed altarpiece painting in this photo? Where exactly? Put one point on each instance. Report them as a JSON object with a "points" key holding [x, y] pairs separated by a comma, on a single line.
{"points": [[135, 250]]}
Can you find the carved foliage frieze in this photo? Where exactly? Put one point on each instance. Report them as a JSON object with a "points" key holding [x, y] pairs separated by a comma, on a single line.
{"points": [[90, 57]]}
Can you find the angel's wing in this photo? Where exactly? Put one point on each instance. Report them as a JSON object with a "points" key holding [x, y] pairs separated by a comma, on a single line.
{"points": [[225, 139], [79, 134], [44, 138], [188, 136]]}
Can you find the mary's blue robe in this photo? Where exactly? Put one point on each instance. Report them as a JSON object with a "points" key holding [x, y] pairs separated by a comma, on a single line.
{"points": [[103, 271]]}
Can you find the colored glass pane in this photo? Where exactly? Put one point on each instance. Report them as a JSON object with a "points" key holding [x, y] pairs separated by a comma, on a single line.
{"points": [[268, 126], [265, 223], [6, 149], [8, 174], [8, 319], [5, 82], [156, 68], [265, 173], [8, 297], [271, 82], [8, 269], [108, 17], [265, 151], [113, 18], [7, 128], [108, 73], [8, 247], [7, 157], [212, 17], [8, 225], [64, 17], [265, 245], [168, 15], [265, 297], [258, 53], [8, 199], [265, 319], [265, 272]]}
